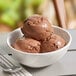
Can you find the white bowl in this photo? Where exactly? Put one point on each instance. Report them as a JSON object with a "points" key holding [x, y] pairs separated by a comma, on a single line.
{"points": [[37, 60]]}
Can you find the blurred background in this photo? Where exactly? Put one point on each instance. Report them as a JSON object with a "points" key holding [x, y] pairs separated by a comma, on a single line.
{"points": [[13, 12]]}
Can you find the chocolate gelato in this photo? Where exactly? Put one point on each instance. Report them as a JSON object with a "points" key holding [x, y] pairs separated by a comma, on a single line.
{"points": [[55, 42], [37, 27], [27, 45], [39, 36]]}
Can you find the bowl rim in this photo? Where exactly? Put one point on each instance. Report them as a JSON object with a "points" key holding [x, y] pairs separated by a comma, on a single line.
{"points": [[58, 50]]}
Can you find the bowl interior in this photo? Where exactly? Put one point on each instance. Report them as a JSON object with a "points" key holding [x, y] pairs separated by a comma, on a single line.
{"points": [[63, 33]]}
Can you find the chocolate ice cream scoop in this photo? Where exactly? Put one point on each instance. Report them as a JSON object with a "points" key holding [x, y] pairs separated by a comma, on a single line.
{"points": [[37, 27], [55, 42], [27, 45]]}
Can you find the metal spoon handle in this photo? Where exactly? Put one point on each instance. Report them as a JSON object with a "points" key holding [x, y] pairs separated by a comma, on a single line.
{"points": [[11, 65], [7, 65], [3, 65]]}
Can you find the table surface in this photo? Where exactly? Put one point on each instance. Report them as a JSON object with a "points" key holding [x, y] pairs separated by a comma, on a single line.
{"points": [[67, 65]]}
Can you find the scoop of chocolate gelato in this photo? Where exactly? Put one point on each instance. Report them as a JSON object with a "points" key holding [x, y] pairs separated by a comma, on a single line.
{"points": [[55, 42], [27, 45], [37, 27]]}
